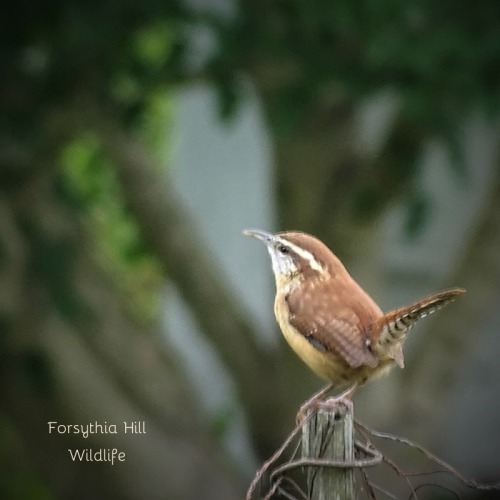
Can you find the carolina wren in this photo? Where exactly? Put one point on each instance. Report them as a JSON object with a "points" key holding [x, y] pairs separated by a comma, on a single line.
{"points": [[333, 325]]}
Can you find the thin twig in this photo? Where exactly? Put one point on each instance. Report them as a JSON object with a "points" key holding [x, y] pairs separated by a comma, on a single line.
{"points": [[368, 486], [285, 494], [296, 486], [467, 482], [273, 489], [383, 490], [400, 473], [375, 458], [427, 472], [317, 462], [369, 449], [296, 450], [437, 485], [275, 457], [359, 427]]}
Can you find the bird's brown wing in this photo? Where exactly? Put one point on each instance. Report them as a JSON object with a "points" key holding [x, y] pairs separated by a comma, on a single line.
{"points": [[329, 327]]}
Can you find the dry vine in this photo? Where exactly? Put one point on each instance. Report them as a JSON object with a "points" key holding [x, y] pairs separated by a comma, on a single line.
{"points": [[367, 456]]}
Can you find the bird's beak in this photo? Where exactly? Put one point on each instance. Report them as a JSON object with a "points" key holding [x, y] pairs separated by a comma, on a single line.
{"points": [[261, 235]]}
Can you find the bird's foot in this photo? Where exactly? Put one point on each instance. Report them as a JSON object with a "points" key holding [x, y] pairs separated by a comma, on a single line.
{"points": [[332, 403], [315, 402], [311, 402]]}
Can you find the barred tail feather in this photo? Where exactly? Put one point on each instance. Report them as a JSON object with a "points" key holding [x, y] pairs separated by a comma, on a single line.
{"points": [[393, 327]]}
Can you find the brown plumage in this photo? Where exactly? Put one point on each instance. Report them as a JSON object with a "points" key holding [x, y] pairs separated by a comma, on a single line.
{"points": [[329, 320]]}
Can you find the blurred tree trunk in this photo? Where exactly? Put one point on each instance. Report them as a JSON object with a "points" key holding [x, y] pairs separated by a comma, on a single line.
{"points": [[71, 354], [29, 395]]}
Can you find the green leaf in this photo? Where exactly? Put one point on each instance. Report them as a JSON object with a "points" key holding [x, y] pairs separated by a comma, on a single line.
{"points": [[153, 44]]}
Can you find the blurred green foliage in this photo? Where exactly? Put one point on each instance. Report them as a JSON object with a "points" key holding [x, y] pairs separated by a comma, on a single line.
{"points": [[91, 183], [441, 56]]}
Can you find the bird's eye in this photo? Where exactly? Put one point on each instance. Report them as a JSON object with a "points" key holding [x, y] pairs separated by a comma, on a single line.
{"points": [[284, 250]]}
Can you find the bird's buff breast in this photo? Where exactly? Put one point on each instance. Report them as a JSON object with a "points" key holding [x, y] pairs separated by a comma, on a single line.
{"points": [[328, 365]]}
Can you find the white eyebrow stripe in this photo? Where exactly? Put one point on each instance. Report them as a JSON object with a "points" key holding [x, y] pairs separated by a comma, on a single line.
{"points": [[303, 253]]}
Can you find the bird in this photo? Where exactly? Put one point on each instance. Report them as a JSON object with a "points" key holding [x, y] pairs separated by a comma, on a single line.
{"points": [[330, 322]]}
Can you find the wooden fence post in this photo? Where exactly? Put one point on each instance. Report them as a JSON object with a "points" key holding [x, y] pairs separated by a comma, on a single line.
{"points": [[329, 434]]}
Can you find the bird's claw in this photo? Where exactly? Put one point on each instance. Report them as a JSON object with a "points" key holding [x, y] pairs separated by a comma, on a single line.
{"points": [[315, 403]]}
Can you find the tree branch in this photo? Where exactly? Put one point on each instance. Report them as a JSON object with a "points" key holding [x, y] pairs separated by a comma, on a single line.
{"points": [[170, 233], [97, 367]]}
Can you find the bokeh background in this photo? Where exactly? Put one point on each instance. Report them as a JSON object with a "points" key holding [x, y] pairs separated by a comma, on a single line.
{"points": [[139, 138]]}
